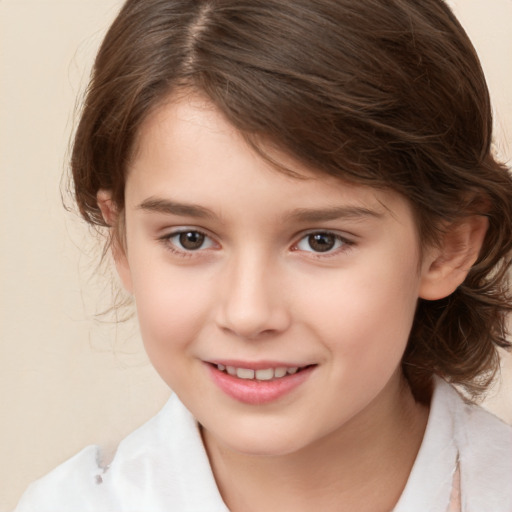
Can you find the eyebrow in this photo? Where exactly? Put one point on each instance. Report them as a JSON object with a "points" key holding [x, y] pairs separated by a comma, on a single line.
{"points": [[334, 213], [305, 215], [155, 204]]}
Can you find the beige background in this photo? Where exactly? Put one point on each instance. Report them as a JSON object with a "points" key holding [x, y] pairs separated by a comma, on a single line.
{"points": [[66, 378]]}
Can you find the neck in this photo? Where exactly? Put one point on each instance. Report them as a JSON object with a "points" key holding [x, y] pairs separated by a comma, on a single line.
{"points": [[364, 465]]}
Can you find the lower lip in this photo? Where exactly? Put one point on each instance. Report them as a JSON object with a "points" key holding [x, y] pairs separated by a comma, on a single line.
{"points": [[257, 392]]}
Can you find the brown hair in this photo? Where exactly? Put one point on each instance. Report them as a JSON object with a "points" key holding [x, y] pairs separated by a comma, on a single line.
{"points": [[386, 93]]}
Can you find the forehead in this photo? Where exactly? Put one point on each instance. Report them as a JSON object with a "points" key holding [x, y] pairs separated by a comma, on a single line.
{"points": [[187, 151]]}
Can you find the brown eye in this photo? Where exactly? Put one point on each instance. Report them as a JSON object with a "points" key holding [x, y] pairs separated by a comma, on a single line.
{"points": [[186, 241], [321, 241], [191, 240]]}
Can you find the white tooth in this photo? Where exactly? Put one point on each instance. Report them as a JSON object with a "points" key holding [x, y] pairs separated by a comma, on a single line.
{"points": [[280, 372], [231, 370], [244, 373], [266, 374], [221, 367], [291, 371]]}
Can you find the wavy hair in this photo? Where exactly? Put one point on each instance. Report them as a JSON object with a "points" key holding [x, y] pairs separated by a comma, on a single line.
{"points": [[388, 94]]}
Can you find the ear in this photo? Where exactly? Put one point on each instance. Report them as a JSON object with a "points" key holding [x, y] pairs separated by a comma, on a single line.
{"points": [[446, 266], [115, 221]]}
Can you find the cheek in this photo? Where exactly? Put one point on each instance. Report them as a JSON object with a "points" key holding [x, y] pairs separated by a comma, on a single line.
{"points": [[171, 307], [365, 314]]}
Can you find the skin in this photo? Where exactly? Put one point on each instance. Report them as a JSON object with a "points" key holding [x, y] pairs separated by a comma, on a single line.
{"points": [[258, 290]]}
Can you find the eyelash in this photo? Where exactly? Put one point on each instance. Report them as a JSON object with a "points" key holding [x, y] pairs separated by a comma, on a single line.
{"points": [[183, 252], [342, 243]]}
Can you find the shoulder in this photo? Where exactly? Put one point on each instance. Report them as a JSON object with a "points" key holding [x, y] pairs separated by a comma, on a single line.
{"points": [[162, 466], [485, 456], [463, 446], [480, 436], [484, 446], [62, 488]]}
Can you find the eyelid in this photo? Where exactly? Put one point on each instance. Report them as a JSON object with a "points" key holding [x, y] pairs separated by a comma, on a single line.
{"points": [[175, 249], [346, 243]]}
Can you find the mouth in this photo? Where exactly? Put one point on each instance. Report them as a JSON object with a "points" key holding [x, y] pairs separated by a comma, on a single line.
{"points": [[261, 384], [263, 374]]}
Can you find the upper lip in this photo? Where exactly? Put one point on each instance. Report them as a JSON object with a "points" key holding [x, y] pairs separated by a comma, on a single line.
{"points": [[256, 365]]}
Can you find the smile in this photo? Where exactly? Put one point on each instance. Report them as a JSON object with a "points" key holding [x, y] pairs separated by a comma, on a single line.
{"points": [[264, 374], [258, 386]]}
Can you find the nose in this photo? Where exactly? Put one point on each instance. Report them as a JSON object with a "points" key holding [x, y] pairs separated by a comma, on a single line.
{"points": [[253, 303]]}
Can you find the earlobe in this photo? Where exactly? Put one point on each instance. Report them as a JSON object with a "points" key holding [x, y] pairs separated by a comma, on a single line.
{"points": [[115, 222], [446, 266]]}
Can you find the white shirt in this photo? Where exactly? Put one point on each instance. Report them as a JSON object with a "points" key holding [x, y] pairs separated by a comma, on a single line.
{"points": [[163, 467]]}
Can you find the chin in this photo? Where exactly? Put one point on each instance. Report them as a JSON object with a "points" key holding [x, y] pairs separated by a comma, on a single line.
{"points": [[263, 448], [259, 441]]}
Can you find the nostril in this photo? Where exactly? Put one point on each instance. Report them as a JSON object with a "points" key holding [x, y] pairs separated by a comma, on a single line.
{"points": [[249, 333]]}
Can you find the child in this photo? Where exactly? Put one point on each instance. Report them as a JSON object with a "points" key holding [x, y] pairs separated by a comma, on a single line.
{"points": [[302, 200]]}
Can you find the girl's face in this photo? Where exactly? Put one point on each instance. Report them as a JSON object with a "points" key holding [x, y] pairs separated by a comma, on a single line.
{"points": [[304, 289]]}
